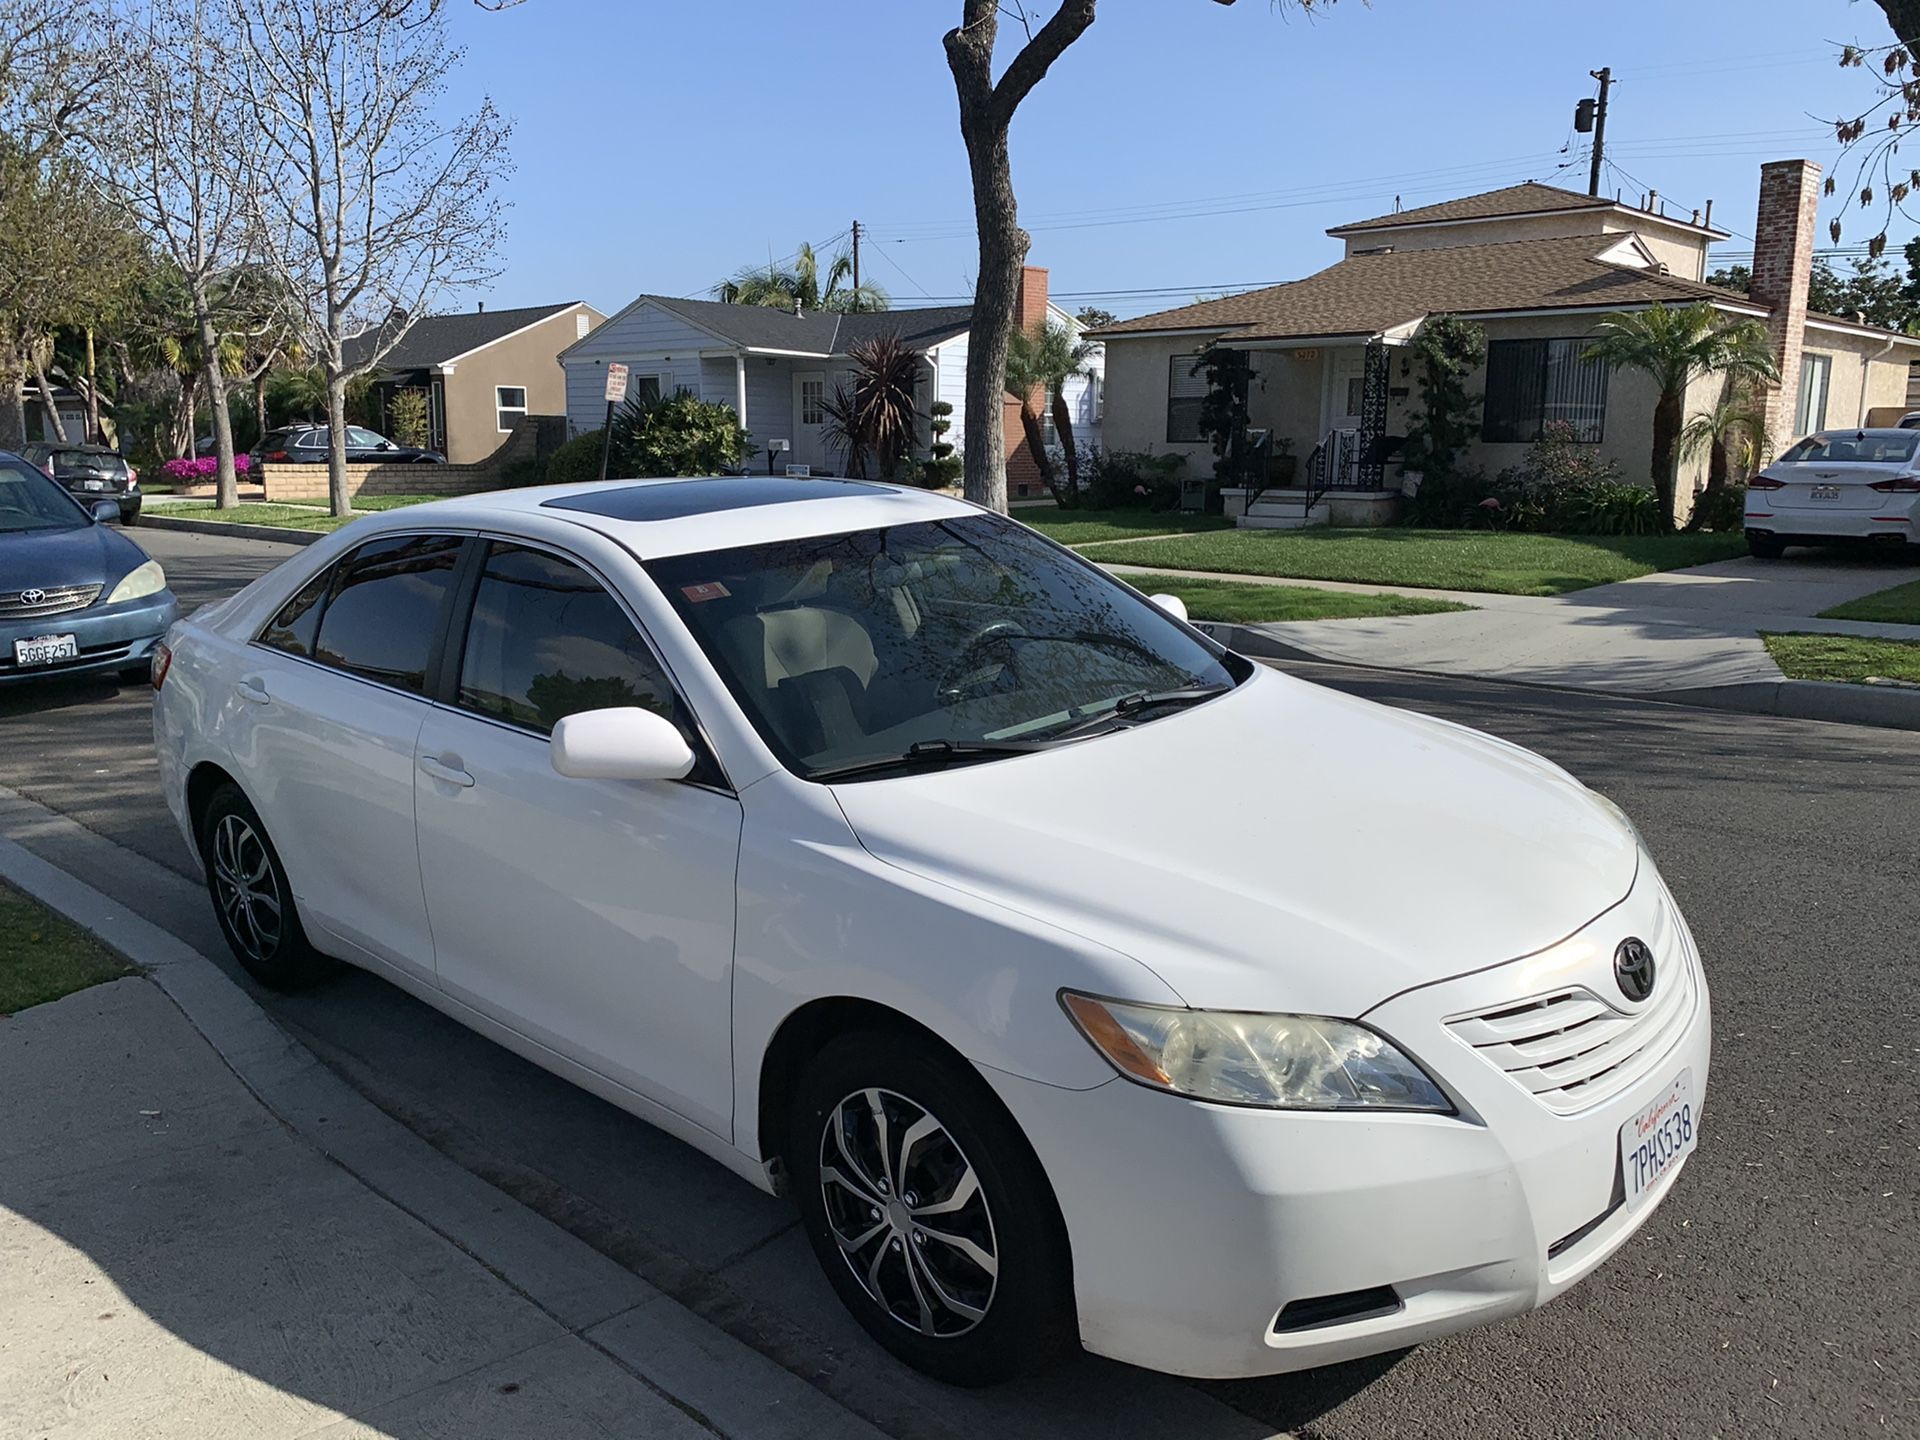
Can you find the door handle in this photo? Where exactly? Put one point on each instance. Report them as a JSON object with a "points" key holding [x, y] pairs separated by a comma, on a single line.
{"points": [[450, 774], [253, 691]]}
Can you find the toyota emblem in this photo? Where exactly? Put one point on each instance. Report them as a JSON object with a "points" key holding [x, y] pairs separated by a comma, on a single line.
{"points": [[1633, 968], [33, 597]]}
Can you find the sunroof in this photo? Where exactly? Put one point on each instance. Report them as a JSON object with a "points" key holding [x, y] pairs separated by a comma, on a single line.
{"points": [[677, 499]]}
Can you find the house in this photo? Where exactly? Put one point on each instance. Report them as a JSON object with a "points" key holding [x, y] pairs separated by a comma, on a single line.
{"points": [[1537, 267], [776, 367], [483, 371]]}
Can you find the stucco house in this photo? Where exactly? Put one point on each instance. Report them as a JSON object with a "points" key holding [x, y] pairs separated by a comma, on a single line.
{"points": [[1537, 267], [775, 367], [483, 370]]}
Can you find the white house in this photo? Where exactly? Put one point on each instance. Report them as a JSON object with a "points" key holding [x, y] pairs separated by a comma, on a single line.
{"points": [[775, 367]]}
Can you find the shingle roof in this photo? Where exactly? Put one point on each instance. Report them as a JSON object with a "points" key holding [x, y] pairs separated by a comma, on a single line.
{"points": [[1525, 199], [758, 327], [434, 339], [1366, 294]]}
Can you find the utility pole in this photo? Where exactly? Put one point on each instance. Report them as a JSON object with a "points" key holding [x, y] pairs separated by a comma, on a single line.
{"points": [[1605, 76], [856, 257]]}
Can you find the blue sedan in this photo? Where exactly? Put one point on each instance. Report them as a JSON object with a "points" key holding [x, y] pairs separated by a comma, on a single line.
{"points": [[76, 595]]}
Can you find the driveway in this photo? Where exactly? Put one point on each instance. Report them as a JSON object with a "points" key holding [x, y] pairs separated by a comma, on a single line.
{"points": [[1803, 583], [1771, 1295]]}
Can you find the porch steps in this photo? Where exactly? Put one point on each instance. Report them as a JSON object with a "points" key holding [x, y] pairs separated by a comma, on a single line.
{"points": [[1281, 510]]}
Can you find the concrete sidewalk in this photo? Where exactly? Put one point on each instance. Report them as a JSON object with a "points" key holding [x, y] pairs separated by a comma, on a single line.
{"points": [[205, 1234]]}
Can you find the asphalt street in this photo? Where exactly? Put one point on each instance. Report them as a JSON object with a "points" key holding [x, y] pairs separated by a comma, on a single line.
{"points": [[1776, 1292]]}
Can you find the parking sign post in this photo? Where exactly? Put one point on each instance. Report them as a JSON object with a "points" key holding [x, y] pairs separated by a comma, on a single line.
{"points": [[616, 392]]}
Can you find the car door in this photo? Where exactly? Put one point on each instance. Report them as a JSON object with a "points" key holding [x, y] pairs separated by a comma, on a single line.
{"points": [[594, 917], [328, 702]]}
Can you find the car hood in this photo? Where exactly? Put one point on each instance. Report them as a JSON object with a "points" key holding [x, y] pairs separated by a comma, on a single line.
{"points": [[1284, 847], [90, 555]]}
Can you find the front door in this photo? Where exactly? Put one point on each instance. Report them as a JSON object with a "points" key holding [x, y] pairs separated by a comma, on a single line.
{"points": [[593, 917], [1346, 389], [809, 419]]}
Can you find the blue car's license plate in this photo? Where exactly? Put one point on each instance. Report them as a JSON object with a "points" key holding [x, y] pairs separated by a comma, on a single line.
{"points": [[45, 649]]}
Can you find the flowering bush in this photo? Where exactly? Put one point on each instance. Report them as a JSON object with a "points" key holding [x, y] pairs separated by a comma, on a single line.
{"points": [[196, 472]]}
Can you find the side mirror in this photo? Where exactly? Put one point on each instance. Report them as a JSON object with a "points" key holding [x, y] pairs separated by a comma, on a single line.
{"points": [[1172, 604], [104, 511], [626, 743]]}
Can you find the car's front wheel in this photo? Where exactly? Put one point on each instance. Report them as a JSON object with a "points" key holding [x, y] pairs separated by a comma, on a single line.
{"points": [[1765, 547], [251, 897], [929, 1212]]}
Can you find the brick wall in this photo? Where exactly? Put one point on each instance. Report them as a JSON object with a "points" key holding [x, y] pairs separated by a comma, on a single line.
{"points": [[307, 484], [1783, 235], [1023, 471]]}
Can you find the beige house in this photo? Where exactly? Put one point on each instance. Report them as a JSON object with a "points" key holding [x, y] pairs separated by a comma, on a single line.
{"points": [[483, 371], [1537, 267]]}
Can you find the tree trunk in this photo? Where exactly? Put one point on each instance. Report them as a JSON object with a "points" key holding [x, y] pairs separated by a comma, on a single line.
{"points": [[226, 484], [1667, 415], [186, 416], [260, 403], [338, 500], [1032, 424], [1063, 426], [55, 430], [94, 432], [13, 433]]}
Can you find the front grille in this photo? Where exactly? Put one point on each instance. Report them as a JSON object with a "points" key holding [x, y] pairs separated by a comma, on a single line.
{"points": [[50, 600], [1572, 1049]]}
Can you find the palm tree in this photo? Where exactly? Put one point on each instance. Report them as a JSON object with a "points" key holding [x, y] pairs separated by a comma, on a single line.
{"points": [[878, 415], [1732, 435], [806, 285], [1675, 346], [1042, 361]]}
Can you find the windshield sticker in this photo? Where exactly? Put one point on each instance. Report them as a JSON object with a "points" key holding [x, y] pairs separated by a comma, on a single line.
{"points": [[712, 590]]}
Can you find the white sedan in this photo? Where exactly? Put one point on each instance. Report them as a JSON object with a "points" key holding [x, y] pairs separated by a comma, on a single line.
{"points": [[1839, 485], [1081, 980]]}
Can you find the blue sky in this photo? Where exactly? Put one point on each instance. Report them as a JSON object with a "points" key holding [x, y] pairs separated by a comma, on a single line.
{"points": [[1180, 146]]}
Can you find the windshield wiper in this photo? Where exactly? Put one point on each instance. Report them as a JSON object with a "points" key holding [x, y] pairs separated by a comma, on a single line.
{"points": [[1130, 705], [930, 755]]}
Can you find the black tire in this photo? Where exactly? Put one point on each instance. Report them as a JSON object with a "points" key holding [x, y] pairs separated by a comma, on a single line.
{"points": [[130, 518], [1765, 547], [986, 1325], [262, 925]]}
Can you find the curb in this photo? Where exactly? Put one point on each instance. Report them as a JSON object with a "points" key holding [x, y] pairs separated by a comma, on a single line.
{"points": [[735, 1390], [280, 534], [1832, 701]]}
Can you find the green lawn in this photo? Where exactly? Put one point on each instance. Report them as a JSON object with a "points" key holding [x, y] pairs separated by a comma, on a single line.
{"points": [[1844, 657], [1085, 527], [291, 517], [1898, 606], [43, 957], [1504, 564], [1245, 603]]}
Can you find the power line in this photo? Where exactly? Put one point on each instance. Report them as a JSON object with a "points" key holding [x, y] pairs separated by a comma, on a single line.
{"points": [[881, 251]]}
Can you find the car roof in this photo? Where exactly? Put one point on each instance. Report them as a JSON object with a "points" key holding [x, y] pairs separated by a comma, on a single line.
{"points": [[1855, 431], [684, 516]]}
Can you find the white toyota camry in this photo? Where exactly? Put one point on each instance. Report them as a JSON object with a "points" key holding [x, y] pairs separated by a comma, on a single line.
{"points": [[1080, 979]]}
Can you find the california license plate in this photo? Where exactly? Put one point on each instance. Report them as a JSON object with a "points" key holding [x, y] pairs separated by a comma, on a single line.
{"points": [[93, 484], [1826, 492], [1658, 1138], [45, 649]]}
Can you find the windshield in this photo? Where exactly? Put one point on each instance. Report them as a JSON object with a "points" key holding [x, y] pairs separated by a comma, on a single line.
{"points": [[850, 649], [1869, 447], [104, 462], [30, 501]]}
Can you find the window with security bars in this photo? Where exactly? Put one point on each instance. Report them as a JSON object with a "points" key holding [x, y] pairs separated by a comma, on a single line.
{"points": [[1533, 383], [1186, 395]]}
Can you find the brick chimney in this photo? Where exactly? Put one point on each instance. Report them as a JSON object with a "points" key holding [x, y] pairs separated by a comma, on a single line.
{"points": [[1783, 234], [1030, 308]]}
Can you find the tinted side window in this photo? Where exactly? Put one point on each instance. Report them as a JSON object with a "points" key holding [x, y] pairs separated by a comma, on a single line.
{"points": [[293, 628], [546, 641], [387, 605]]}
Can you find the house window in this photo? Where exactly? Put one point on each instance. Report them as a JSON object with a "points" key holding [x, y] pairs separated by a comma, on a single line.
{"points": [[813, 394], [1532, 383], [509, 406], [581, 324], [1186, 397], [1816, 376]]}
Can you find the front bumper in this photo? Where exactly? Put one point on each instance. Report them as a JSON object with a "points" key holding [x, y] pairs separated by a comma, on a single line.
{"points": [[110, 637], [1193, 1226]]}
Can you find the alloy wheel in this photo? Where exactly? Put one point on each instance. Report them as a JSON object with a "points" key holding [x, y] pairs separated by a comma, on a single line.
{"points": [[245, 887], [908, 1213]]}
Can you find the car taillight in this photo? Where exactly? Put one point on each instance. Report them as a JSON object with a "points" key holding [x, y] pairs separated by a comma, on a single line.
{"points": [[162, 662], [1766, 482], [274, 455], [1902, 483]]}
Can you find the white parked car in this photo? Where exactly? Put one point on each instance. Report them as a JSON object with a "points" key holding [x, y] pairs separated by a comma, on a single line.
{"points": [[1838, 485], [1080, 979]]}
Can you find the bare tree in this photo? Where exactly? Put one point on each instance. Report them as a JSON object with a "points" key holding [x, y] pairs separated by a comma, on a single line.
{"points": [[372, 206], [178, 121], [1870, 138]]}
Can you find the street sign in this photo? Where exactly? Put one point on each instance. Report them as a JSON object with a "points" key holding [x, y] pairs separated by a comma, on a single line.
{"points": [[616, 383]]}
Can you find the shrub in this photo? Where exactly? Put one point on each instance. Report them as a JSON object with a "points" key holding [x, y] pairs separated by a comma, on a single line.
{"points": [[678, 434], [1133, 480], [941, 470], [1723, 510], [576, 461], [1447, 349], [1611, 508], [522, 473], [199, 472], [409, 415]]}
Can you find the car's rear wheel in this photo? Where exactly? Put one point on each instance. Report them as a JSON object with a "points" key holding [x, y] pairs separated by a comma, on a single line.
{"points": [[1765, 547], [928, 1211], [251, 897]]}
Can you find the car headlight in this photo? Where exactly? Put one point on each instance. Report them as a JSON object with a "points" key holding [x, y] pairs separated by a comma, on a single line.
{"points": [[142, 580], [1281, 1062]]}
